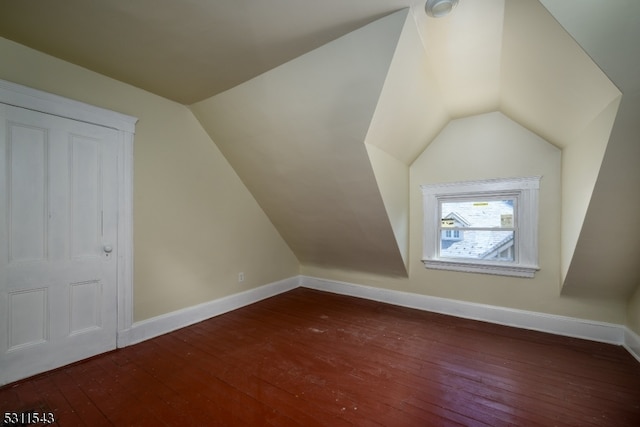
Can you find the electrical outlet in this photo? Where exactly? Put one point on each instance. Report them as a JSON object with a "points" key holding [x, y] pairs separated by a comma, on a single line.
{"points": [[241, 277]]}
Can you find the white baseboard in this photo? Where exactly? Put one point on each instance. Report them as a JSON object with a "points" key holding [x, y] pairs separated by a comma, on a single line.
{"points": [[156, 326], [632, 343], [559, 325]]}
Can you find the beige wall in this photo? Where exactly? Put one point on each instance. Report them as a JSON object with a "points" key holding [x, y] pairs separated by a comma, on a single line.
{"points": [[482, 147], [196, 226], [633, 312]]}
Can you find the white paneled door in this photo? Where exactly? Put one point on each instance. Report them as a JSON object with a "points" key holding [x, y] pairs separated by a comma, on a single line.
{"points": [[58, 231]]}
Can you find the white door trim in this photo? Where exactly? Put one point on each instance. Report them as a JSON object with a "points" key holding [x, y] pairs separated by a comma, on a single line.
{"points": [[43, 102]]}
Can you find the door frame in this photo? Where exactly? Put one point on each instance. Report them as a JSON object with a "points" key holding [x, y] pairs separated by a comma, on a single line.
{"points": [[36, 100]]}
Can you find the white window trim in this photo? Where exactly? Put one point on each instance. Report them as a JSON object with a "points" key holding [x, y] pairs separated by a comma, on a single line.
{"points": [[526, 246]]}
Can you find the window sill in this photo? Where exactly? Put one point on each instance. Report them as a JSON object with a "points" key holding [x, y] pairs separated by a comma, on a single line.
{"points": [[473, 267]]}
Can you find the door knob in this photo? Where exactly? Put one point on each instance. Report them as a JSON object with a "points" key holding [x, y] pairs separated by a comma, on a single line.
{"points": [[108, 249]]}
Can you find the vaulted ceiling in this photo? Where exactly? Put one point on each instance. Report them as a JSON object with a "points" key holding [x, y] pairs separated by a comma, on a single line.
{"points": [[307, 99]]}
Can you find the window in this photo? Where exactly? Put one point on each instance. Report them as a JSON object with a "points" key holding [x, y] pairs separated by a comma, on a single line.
{"points": [[451, 235], [482, 226]]}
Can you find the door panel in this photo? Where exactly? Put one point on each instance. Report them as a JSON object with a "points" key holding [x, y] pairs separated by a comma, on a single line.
{"points": [[27, 151], [84, 309], [58, 210], [27, 318], [85, 197]]}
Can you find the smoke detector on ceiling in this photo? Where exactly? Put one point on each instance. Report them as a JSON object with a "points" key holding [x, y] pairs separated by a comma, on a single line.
{"points": [[439, 8]]}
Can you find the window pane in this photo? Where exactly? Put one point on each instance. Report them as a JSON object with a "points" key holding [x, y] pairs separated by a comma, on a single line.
{"points": [[479, 244], [479, 213]]}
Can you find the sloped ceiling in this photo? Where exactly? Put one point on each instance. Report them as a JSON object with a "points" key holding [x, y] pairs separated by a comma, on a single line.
{"points": [[548, 83], [186, 50], [507, 55], [295, 136]]}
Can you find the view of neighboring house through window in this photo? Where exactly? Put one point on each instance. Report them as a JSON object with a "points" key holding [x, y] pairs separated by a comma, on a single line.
{"points": [[482, 226], [478, 229]]}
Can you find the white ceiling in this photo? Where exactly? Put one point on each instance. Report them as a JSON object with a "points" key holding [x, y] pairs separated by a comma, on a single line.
{"points": [[184, 50]]}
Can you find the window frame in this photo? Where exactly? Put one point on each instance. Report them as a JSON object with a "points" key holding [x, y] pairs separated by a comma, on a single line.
{"points": [[525, 192]]}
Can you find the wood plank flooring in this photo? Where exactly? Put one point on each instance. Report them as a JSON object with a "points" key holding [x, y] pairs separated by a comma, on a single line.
{"points": [[309, 358]]}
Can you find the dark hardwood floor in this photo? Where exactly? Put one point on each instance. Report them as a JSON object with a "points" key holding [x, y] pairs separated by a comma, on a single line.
{"points": [[308, 358]]}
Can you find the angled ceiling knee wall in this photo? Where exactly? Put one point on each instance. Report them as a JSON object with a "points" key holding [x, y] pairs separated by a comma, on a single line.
{"points": [[551, 85], [296, 137]]}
